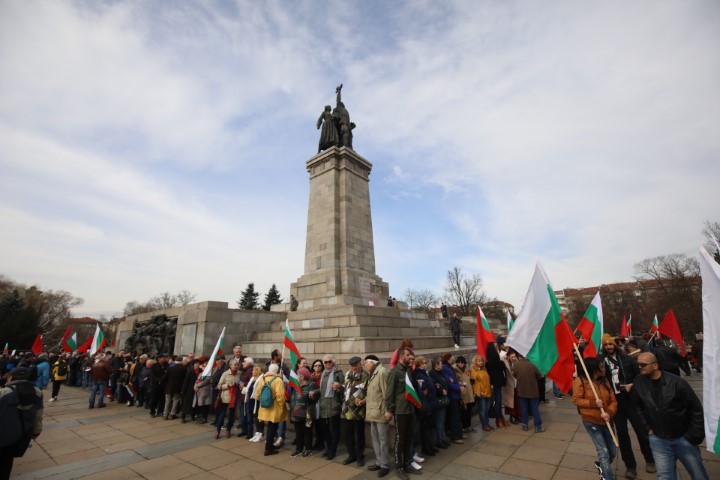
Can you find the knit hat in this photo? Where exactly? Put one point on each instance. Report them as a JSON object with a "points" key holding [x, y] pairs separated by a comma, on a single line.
{"points": [[304, 372], [607, 339]]}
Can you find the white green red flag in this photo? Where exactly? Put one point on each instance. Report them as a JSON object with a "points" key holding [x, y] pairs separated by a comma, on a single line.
{"points": [[624, 327], [411, 394], [63, 343], [591, 327], [72, 342], [670, 328], [218, 348], [98, 341], [6, 350], [710, 273], [542, 334], [289, 343], [510, 322], [655, 327], [629, 325], [484, 335]]}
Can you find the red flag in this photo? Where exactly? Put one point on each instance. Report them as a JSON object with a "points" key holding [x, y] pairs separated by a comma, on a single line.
{"points": [[85, 346], [624, 327], [37, 347], [670, 328], [564, 369], [65, 346], [484, 335]]}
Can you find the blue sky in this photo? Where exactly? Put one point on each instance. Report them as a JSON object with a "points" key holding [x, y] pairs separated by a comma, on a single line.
{"points": [[159, 146]]}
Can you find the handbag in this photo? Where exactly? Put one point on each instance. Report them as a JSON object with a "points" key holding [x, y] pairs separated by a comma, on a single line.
{"points": [[443, 402]]}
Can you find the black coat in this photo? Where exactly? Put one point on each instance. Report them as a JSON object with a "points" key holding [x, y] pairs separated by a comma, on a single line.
{"points": [[174, 377], [672, 410]]}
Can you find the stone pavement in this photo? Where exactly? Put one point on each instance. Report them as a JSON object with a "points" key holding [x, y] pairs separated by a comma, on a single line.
{"points": [[120, 442]]}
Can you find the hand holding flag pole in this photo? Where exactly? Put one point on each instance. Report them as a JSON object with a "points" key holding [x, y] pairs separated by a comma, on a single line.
{"points": [[592, 386]]}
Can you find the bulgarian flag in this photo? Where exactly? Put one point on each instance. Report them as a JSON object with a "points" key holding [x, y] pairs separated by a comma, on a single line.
{"points": [[410, 394], [510, 321], [543, 335], [71, 342], [6, 350], [289, 343], [85, 346], [484, 335], [591, 327], [655, 327], [710, 273], [670, 328], [624, 332], [629, 325], [218, 348], [98, 341]]}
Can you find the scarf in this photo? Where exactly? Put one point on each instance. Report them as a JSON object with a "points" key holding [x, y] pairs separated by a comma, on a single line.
{"points": [[329, 392]]}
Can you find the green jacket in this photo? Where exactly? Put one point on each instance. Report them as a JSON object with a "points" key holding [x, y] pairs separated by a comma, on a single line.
{"points": [[395, 393], [355, 388]]}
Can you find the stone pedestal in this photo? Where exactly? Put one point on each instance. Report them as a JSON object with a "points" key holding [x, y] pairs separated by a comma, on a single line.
{"points": [[339, 251]]}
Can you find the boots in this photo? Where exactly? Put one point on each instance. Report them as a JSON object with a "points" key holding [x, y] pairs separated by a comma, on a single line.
{"points": [[500, 422]]}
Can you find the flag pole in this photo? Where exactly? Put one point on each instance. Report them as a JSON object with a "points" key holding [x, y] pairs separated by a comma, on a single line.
{"points": [[592, 386]]}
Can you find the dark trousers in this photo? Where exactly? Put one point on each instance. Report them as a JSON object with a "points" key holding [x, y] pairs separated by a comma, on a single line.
{"points": [[355, 437], [303, 436], [272, 429], [466, 414], [6, 460], [452, 421], [624, 413], [157, 399], [220, 417], [456, 338], [425, 425], [404, 429], [331, 433], [56, 388]]}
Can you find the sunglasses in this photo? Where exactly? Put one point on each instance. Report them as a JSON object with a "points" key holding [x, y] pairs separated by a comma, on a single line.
{"points": [[327, 361], [317, 365]]}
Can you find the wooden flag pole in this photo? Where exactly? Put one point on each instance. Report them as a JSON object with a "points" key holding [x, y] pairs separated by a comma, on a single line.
{"points": [[592, 386]]}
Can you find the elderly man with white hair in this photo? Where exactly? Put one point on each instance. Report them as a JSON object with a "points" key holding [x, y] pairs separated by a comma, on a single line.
{"points": [[331, 398]]}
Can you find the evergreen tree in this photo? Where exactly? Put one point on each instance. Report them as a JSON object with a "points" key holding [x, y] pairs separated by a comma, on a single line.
{"points": [[249, 298], [272, 298]]}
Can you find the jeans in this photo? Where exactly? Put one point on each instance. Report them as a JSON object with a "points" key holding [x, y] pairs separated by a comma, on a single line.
{"points": [[98, 388], [438, 415], [604, 445], [668, 451], [248, 421], [220, 417], [497, 396], [87, 379], [530, 404], [556, 390], [483, 408]]}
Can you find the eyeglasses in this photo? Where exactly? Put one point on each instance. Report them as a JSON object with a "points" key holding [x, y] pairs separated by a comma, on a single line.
{"points": [[317, 365], [643, 365]]}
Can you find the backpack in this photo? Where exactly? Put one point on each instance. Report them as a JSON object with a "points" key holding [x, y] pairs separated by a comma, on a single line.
{"points": [[62, 369], [17, 424], [267, 399]]}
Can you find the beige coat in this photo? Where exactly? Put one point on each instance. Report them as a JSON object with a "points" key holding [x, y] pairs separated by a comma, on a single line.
{"points": [[375, 400], [227, 380], [462, 377], [508, 396], [278, 412]]}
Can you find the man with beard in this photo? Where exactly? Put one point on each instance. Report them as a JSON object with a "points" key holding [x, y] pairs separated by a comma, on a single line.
{"points": [[399, 408], [621, 370]]}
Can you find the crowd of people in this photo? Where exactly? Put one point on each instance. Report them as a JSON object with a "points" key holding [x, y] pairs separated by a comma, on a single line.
{"points": [[631, 382]]}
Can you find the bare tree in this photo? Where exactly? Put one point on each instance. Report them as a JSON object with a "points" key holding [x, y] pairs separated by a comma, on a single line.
{"points": [[679, 287], [185, 297], [421, 299], [464, 291], [159, 302], [711, 232]]}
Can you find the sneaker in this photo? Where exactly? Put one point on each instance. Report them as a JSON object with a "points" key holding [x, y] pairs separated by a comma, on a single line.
{"points": [[279, 442], [415, 465], [525, 428], [259, 437], [599, 469], [457, 346], [650, 467], [307, 453], [53, 399], [539, 429], [417, 458], [295, 453]]}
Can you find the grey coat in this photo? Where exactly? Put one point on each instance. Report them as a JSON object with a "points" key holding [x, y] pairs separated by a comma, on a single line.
{"points": [[203, 392], [330, 406]]}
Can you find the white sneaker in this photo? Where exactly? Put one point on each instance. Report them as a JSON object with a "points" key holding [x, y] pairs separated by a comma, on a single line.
{"points": [[417, 458], [416, 466], [53, 399], [457, 346], [260, 438], [255, 437], [279, 442]]}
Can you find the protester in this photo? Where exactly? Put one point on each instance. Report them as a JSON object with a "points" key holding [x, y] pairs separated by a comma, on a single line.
{"points": [[246, 373], [455, 390], [301, 414], [480, 381], [510, 400], [42, 371], [59, 375], [228, 388], [251, 420], [375, 414], [353, 412], [527, 376], [101, 372], [277, 412], [596, 412], [402, 411], [330, 401], [424, 426], [203, 393], [315, 376], [455, 329], [173, 382], [441, 402], [467, 399], [497, 370], [672, 416]]}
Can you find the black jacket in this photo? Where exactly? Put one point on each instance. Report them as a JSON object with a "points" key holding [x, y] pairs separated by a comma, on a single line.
{"points": [[670, 408], [627, 372], [670, 360]]}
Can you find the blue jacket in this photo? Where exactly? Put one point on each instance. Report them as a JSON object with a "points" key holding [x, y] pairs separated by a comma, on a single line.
{"points": [[43, 374], [453, 385]]}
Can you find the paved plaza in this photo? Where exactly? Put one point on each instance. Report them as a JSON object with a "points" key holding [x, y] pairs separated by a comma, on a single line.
{"points": [[120, 442]]}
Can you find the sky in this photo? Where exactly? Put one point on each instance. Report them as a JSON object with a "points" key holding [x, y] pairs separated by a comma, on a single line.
{"points": [[152, 146]]}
